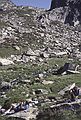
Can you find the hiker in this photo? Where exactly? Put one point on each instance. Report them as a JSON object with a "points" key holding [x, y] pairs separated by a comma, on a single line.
{"points": [[69, 96], [75, 91], [21, 106], [16, 108], [25, 106], [13, 109], [2, 111], [72, 96]]}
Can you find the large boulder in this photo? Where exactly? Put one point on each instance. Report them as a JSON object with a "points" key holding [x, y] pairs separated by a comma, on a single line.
{"points": [[4, 62], [5, 86], [68, 68]]}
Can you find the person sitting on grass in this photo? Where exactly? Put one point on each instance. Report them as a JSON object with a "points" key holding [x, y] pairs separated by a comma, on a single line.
{"points": [[21, 106]]}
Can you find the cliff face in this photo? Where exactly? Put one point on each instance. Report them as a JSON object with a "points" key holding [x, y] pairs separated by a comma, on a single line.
{"points": [[57, 4], [62, 3], [72, 10]]}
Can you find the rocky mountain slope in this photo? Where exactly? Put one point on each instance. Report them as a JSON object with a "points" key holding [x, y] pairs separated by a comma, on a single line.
{"points": [[37, 29], [33, 44]]}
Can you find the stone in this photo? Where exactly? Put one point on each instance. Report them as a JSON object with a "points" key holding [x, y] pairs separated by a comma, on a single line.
{"points": [[60, 53], [24, 58], [41, 76], [69, 87], [41, 91], [67, 69], [5, 86], [16, 48], [33, 58], [27, 95], [47, 82], [3, 96], [44, 55], [30, 52], [25, 81], [4, 62], [72, 72], [40, 60], [42, 34]]}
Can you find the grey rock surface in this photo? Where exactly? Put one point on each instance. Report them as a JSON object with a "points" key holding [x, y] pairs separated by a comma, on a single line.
{"points": [[71, 10]]}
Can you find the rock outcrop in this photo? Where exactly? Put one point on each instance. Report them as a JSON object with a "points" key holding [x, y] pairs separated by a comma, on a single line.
{"points": [[71, 10], [57, 4]]}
